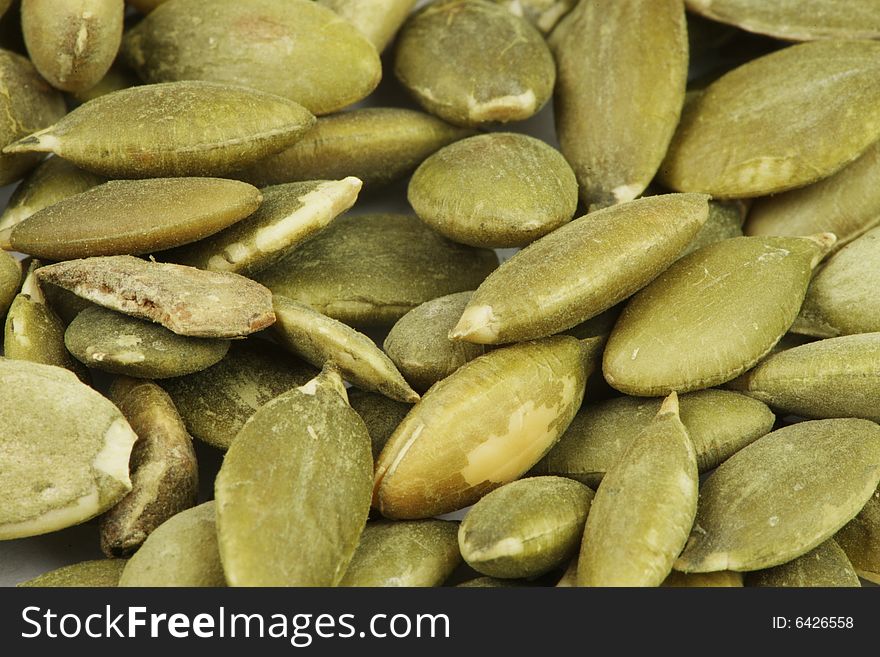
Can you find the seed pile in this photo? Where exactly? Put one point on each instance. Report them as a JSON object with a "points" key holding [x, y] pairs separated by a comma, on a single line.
{"points": [[672, 381]]}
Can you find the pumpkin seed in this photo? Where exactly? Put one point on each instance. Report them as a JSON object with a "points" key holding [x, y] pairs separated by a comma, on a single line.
{"points": [[381, 415], [581, 269], [300, 459], [97, 573], [860, 539], [10, 280], [569, 577], [543, 14], [185, 300], [525, 528], [257, 44], [761, 129], [825, 566], [173, 129], [132, 217], [687, 330], [725, 220], [65, 304], [471, 433], [407, 553], [472, 62], [164, 474], [726, 578], [64, 449], [378, 20], [644, 507], [617, 106], [490, 582], [118, 77], [783, 495], [500, 189]]}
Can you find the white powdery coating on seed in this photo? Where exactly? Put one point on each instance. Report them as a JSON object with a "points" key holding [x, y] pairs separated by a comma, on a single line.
{"points": [[520, 105], [625, 193], [477, 324], [506, 547]]}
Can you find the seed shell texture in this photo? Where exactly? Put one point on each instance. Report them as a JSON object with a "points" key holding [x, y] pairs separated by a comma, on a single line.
{"points": [[472, 62], [711, 315], [404, 553], [258, 44], [319, 339], [525, 528], [174, 129], [543, 14], [860, 539], [118, 77], [378, 20], [182, 552], [10, 281], [293, 493], [370, 270], [64, 450], [622, 68], [72, 43], [718, 422], [381, 415], [796, 20], [781, 121], [825, 566], [783, 495], [93, 574], [725, 220], [185, 300], [498, 190], [480, 428], [289, 215], [132, 217], [581, 269], [644, 508], [725, 578]]}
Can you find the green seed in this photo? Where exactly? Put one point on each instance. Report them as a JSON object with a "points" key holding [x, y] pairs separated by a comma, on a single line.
{"points": [[499, 190], [719, 423], [860, 539], [726, 578], [182, 551], [825, 566], [378, 20], [289, 215], [569, 577], [622, 68], [783, 495], [370, 270], [132, 217], [543, 14], [164, 473], [381, 415], [525, 528], [781, 121], [294, 48], [644, 508], [711, 315], [480, 428], [72, 44], [10, 280], [174, 129], [581, 269], [725, 220], [98, 573], [63, 452], [64, 303], [471, 62], [490, 582], [319, 339], [118, 77], [185, 300], [293, 493], [406, 553]]}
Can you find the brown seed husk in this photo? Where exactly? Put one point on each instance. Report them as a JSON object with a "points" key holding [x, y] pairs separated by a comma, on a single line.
{"points": [[97, 573], [824, 566], [378, 20], [860, 539]]}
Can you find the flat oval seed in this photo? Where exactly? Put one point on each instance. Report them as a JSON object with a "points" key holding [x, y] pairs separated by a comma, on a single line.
{"points": [[73, 43], [781, 121], [10, 280], [480, 428], [860, 539], [63, 452], [53, 180], [837, 377], [525, 528], [543, 14], [711, 315], [118, 77], [725, 578], [165, 475], [378, 145], [28, 104], [381, 415], [644, 508], [622, 67], [783, 495], [174, 129], [289, 215], [419, 343], [93, 574], [216, 402], [824, 566], [581, 269], [319, 339], [796, 20], [718, 422], [370, 270], [132, 217], [293, 493], [378, 20], [499, 190], [293, 48], [404, 553], [182, 551], [725, 220], [185, 300], [471, 62]]}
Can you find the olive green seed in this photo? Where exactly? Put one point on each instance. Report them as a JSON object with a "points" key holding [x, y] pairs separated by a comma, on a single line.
{"points": [[93, 574]]}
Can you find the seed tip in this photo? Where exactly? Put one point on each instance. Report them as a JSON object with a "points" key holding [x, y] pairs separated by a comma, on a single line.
{"points": [[477, 324], [669, 405], [6, 239], [39, 142]]}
